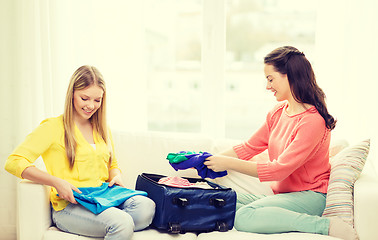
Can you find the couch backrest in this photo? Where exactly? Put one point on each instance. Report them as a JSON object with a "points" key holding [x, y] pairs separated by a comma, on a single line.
{"points": [[139, 152]]}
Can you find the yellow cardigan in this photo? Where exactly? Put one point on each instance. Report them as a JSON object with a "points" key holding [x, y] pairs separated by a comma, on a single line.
{"points": [[47, 140]]}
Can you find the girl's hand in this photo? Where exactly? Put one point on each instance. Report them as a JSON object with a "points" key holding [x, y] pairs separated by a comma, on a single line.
{"points": [[217, 163], [64, 190], [117, 179]]}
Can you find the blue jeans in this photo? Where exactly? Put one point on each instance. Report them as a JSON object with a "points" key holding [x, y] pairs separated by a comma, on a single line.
{"points": [[136, 213], [287, 212]]}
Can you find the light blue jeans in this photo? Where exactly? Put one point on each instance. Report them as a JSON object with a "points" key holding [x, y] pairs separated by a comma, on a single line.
{"points": [[287, 212], [136, 213]]}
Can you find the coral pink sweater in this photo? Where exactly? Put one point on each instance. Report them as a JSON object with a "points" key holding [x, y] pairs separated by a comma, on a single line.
{"points": [[298, 148]]}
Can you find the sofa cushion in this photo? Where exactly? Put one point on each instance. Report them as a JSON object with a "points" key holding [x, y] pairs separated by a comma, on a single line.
{"points": [[234, 234], [149, 234], [346, 167]]}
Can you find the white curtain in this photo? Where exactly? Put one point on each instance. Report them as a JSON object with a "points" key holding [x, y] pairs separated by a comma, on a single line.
{"points": [[24, 60], [42, 43], [346, 63], [52, 38], [213, 58]]}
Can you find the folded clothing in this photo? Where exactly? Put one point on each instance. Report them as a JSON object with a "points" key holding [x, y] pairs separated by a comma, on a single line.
{"points": [[183, 183], [98, 199], [184, 160], [175, 182]]}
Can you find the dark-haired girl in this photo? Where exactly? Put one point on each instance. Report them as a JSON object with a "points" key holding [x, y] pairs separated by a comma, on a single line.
{"points": [[297, 134]]}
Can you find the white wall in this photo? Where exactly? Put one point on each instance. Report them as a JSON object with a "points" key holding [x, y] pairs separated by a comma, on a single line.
{"points": [[346, 63], [7, 182]]}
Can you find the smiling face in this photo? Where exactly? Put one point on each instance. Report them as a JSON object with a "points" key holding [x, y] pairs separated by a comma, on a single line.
{"points": [[277, 83], [87, 101]]}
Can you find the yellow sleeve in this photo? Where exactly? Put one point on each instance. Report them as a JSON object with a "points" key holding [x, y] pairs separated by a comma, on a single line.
{"points": [[33, 146], [114, 163]]}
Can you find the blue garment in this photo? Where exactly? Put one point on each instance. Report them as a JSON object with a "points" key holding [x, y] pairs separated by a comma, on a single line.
{"points": [[194, 160], [97, 199]]}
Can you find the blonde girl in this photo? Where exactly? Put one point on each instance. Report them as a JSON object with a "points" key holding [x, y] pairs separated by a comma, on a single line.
{"points": [[77, 149]]}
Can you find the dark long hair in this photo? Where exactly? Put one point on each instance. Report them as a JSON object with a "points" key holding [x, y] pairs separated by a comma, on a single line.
{"points": [[290, 61]]}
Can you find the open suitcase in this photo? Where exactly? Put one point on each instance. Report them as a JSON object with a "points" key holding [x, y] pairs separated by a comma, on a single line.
{"points": [[189, 209]]}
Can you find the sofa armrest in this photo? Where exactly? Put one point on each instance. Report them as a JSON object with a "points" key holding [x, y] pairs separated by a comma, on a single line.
{"points": [[33, 210], [366, 207]]}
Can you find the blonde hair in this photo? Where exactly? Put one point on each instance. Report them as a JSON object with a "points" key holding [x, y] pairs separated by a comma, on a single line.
{"points": [[83, 77]]}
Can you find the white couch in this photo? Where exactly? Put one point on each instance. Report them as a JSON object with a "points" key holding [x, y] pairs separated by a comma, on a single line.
{"points": [[139, 152]]}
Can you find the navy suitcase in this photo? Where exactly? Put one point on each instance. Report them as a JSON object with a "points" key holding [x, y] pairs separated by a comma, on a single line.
{"points": [[189, 209]]}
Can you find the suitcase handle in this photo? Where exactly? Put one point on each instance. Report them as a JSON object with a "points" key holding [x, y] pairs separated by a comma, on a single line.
{"points": [[217, 202], [181, 202]]}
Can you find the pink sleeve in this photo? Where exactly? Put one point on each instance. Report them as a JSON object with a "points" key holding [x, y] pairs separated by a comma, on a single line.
{"points": [[255, 144], [308, 137], [259, 140]]}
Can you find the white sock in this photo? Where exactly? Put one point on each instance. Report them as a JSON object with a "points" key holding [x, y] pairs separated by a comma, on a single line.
{"points": [[340, 229]]}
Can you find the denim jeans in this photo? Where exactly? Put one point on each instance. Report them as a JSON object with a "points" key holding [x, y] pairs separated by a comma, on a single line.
{"points": [[287, 212], [136, 213]]}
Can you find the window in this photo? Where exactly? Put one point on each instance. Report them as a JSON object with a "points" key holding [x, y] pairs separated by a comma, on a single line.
{"points": [[178, 33], [173, 31], [254, 28]]}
